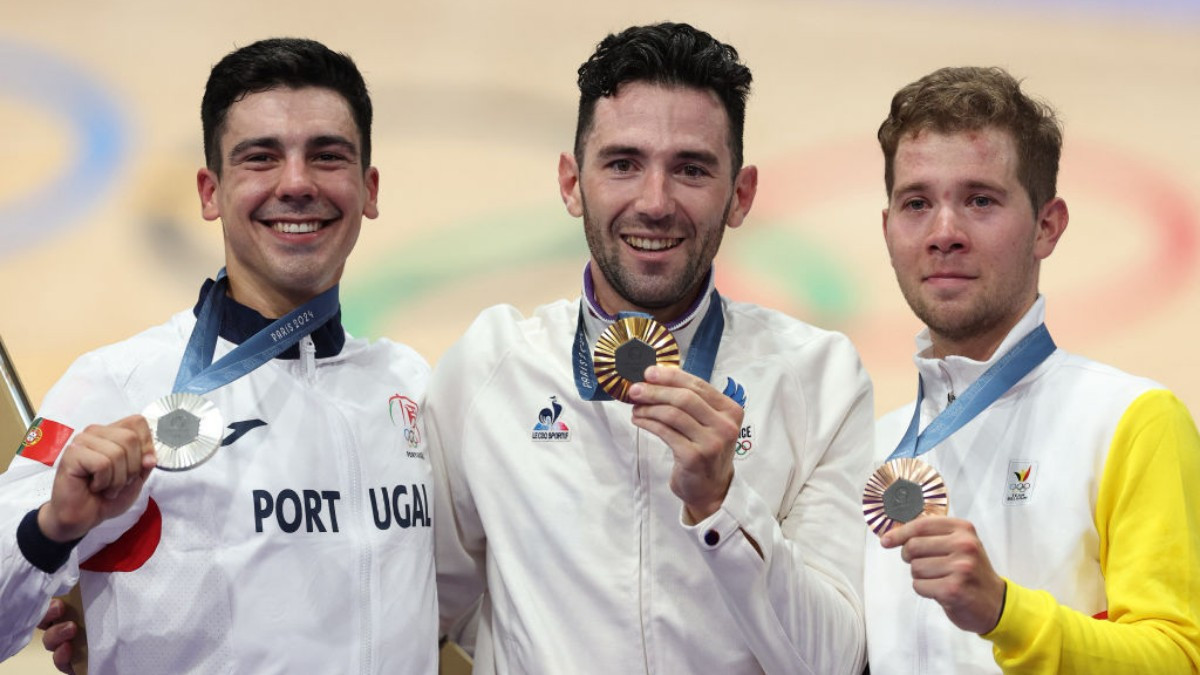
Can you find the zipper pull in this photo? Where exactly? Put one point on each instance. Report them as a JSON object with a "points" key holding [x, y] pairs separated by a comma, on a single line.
{"points": [[308, 357]]}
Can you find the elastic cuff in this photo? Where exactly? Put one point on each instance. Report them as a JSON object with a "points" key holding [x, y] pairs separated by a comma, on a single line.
{"points": [[42, 552]]}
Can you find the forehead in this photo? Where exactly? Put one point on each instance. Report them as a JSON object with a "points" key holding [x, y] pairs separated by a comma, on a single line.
{"points": [[656, 117], [989, 152], [290, 113]]}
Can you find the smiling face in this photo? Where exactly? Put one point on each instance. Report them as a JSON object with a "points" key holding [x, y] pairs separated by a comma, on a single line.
{"points": [[656, 190], [291, 195], [963, 239]]}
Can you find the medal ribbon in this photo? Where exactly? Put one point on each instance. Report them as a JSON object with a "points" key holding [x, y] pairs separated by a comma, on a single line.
{"points": [[702, 353], [995, 381], [197, 372]]}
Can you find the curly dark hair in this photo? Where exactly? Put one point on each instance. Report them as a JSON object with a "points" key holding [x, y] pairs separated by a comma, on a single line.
{"points": [[673, 54]]}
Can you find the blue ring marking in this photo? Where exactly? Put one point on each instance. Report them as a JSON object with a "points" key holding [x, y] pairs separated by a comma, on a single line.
{"points": [[37, 76]]}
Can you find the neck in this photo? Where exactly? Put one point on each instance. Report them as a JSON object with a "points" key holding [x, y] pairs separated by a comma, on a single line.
{"points": [[663, 315], [979, 346], [611, 303], [270, 303]]}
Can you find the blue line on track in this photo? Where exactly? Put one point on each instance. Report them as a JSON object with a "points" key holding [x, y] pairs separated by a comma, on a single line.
{"points": [[64, 91]]}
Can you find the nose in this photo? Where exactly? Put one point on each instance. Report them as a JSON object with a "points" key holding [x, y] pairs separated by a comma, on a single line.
{"points": [[947, 234], [295, 181], [656, 201]]}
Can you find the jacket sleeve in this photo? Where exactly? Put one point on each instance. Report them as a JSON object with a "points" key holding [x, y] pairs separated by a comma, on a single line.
{"points": [[793, 579], [1148, 520], [25, 589], [86, 394], [460, 545]]}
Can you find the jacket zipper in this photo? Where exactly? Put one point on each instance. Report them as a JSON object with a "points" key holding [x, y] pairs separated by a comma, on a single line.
{"points": [[643, 502], [355, 530], [308, 360]]}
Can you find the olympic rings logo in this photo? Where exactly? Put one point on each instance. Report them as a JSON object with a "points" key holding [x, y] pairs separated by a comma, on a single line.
{"points": [[742, 447], [411, 435]]}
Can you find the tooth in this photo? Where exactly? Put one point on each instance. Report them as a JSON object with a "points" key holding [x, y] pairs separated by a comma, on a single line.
{"points": [[297, 228], [652, 244]]}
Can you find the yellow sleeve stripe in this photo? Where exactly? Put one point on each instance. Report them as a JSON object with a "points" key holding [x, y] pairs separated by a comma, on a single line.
{"points": [[1148, 519]]}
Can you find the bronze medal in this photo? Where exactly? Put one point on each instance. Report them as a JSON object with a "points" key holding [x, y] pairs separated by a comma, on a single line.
{"points": [[902, 490], [627, 348]]}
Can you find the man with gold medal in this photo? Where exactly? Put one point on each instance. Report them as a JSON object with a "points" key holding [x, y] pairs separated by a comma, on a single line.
{"points": [[653, 477], [263, 548], [1072, 541]]}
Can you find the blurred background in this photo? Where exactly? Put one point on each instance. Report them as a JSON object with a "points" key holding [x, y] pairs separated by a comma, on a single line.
{"points": [[101, 235]]}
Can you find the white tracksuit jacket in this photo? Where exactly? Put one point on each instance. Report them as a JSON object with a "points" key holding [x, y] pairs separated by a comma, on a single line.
{"points": [[305, 545], [1083, 483], [579, 542]]}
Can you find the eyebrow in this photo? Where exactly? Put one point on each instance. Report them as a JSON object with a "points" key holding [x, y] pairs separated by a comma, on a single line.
{"points": [[984, 185], [922, 186], [618, 151], [909, 187], [334, 139], [698, 156], [273, 143], [267, 142]]}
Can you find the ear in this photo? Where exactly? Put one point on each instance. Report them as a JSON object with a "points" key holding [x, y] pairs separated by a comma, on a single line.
{"points": [[1051, 223], [371, 208], [745, 186], [207, 186], [568, 184]]}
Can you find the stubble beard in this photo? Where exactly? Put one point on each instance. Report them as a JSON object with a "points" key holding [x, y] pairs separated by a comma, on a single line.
{"points": [[991, 309], [659, 291], [954, 324]]}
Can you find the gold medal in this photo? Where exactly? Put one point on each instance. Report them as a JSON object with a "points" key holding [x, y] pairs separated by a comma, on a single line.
{"points": [[902, 490], [627, 348]]}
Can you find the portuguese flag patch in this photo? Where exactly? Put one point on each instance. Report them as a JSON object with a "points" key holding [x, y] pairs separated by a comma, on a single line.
{"points": [[44, 441]]}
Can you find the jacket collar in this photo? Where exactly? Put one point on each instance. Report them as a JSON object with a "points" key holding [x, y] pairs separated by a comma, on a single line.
{"points": [[239, 323], [953, 374], [596, 320]]}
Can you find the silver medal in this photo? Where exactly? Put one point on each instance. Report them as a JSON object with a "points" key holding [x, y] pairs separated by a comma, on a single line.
{"points": [[187, 430]]}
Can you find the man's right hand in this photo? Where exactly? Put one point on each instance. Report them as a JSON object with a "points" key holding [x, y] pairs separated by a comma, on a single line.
{"points": [[58, 635], [99, 477]]}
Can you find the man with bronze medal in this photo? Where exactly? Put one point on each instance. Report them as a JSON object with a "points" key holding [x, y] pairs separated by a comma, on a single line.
{"points": [[273, 426], [684, 499], [1072, 539]]}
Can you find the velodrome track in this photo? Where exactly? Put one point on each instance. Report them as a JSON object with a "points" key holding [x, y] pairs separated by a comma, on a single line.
{"points": [[100, 234]]}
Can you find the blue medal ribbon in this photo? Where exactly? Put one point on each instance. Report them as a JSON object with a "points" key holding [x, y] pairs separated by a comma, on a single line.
{"points": [[702, 353], [197, 372], [1026, 355]]}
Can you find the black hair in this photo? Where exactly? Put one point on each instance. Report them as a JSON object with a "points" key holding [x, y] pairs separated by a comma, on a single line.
{"points": [[672, 54], [281, 62]]}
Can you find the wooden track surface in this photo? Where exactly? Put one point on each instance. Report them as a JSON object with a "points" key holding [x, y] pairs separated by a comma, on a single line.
{"points": [[100, 234]]}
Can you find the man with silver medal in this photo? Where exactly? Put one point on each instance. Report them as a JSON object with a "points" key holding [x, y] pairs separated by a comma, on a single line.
{"points": [[1061, 497], [685, 498], [274, 425]]}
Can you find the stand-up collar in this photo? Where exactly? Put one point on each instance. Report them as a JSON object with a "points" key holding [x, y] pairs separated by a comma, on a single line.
{"points": [[239, 323], [596, 320], [953, 374]]}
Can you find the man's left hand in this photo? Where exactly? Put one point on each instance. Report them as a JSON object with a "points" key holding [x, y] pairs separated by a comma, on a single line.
{"points": [[701, 426], [949, 565]]}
